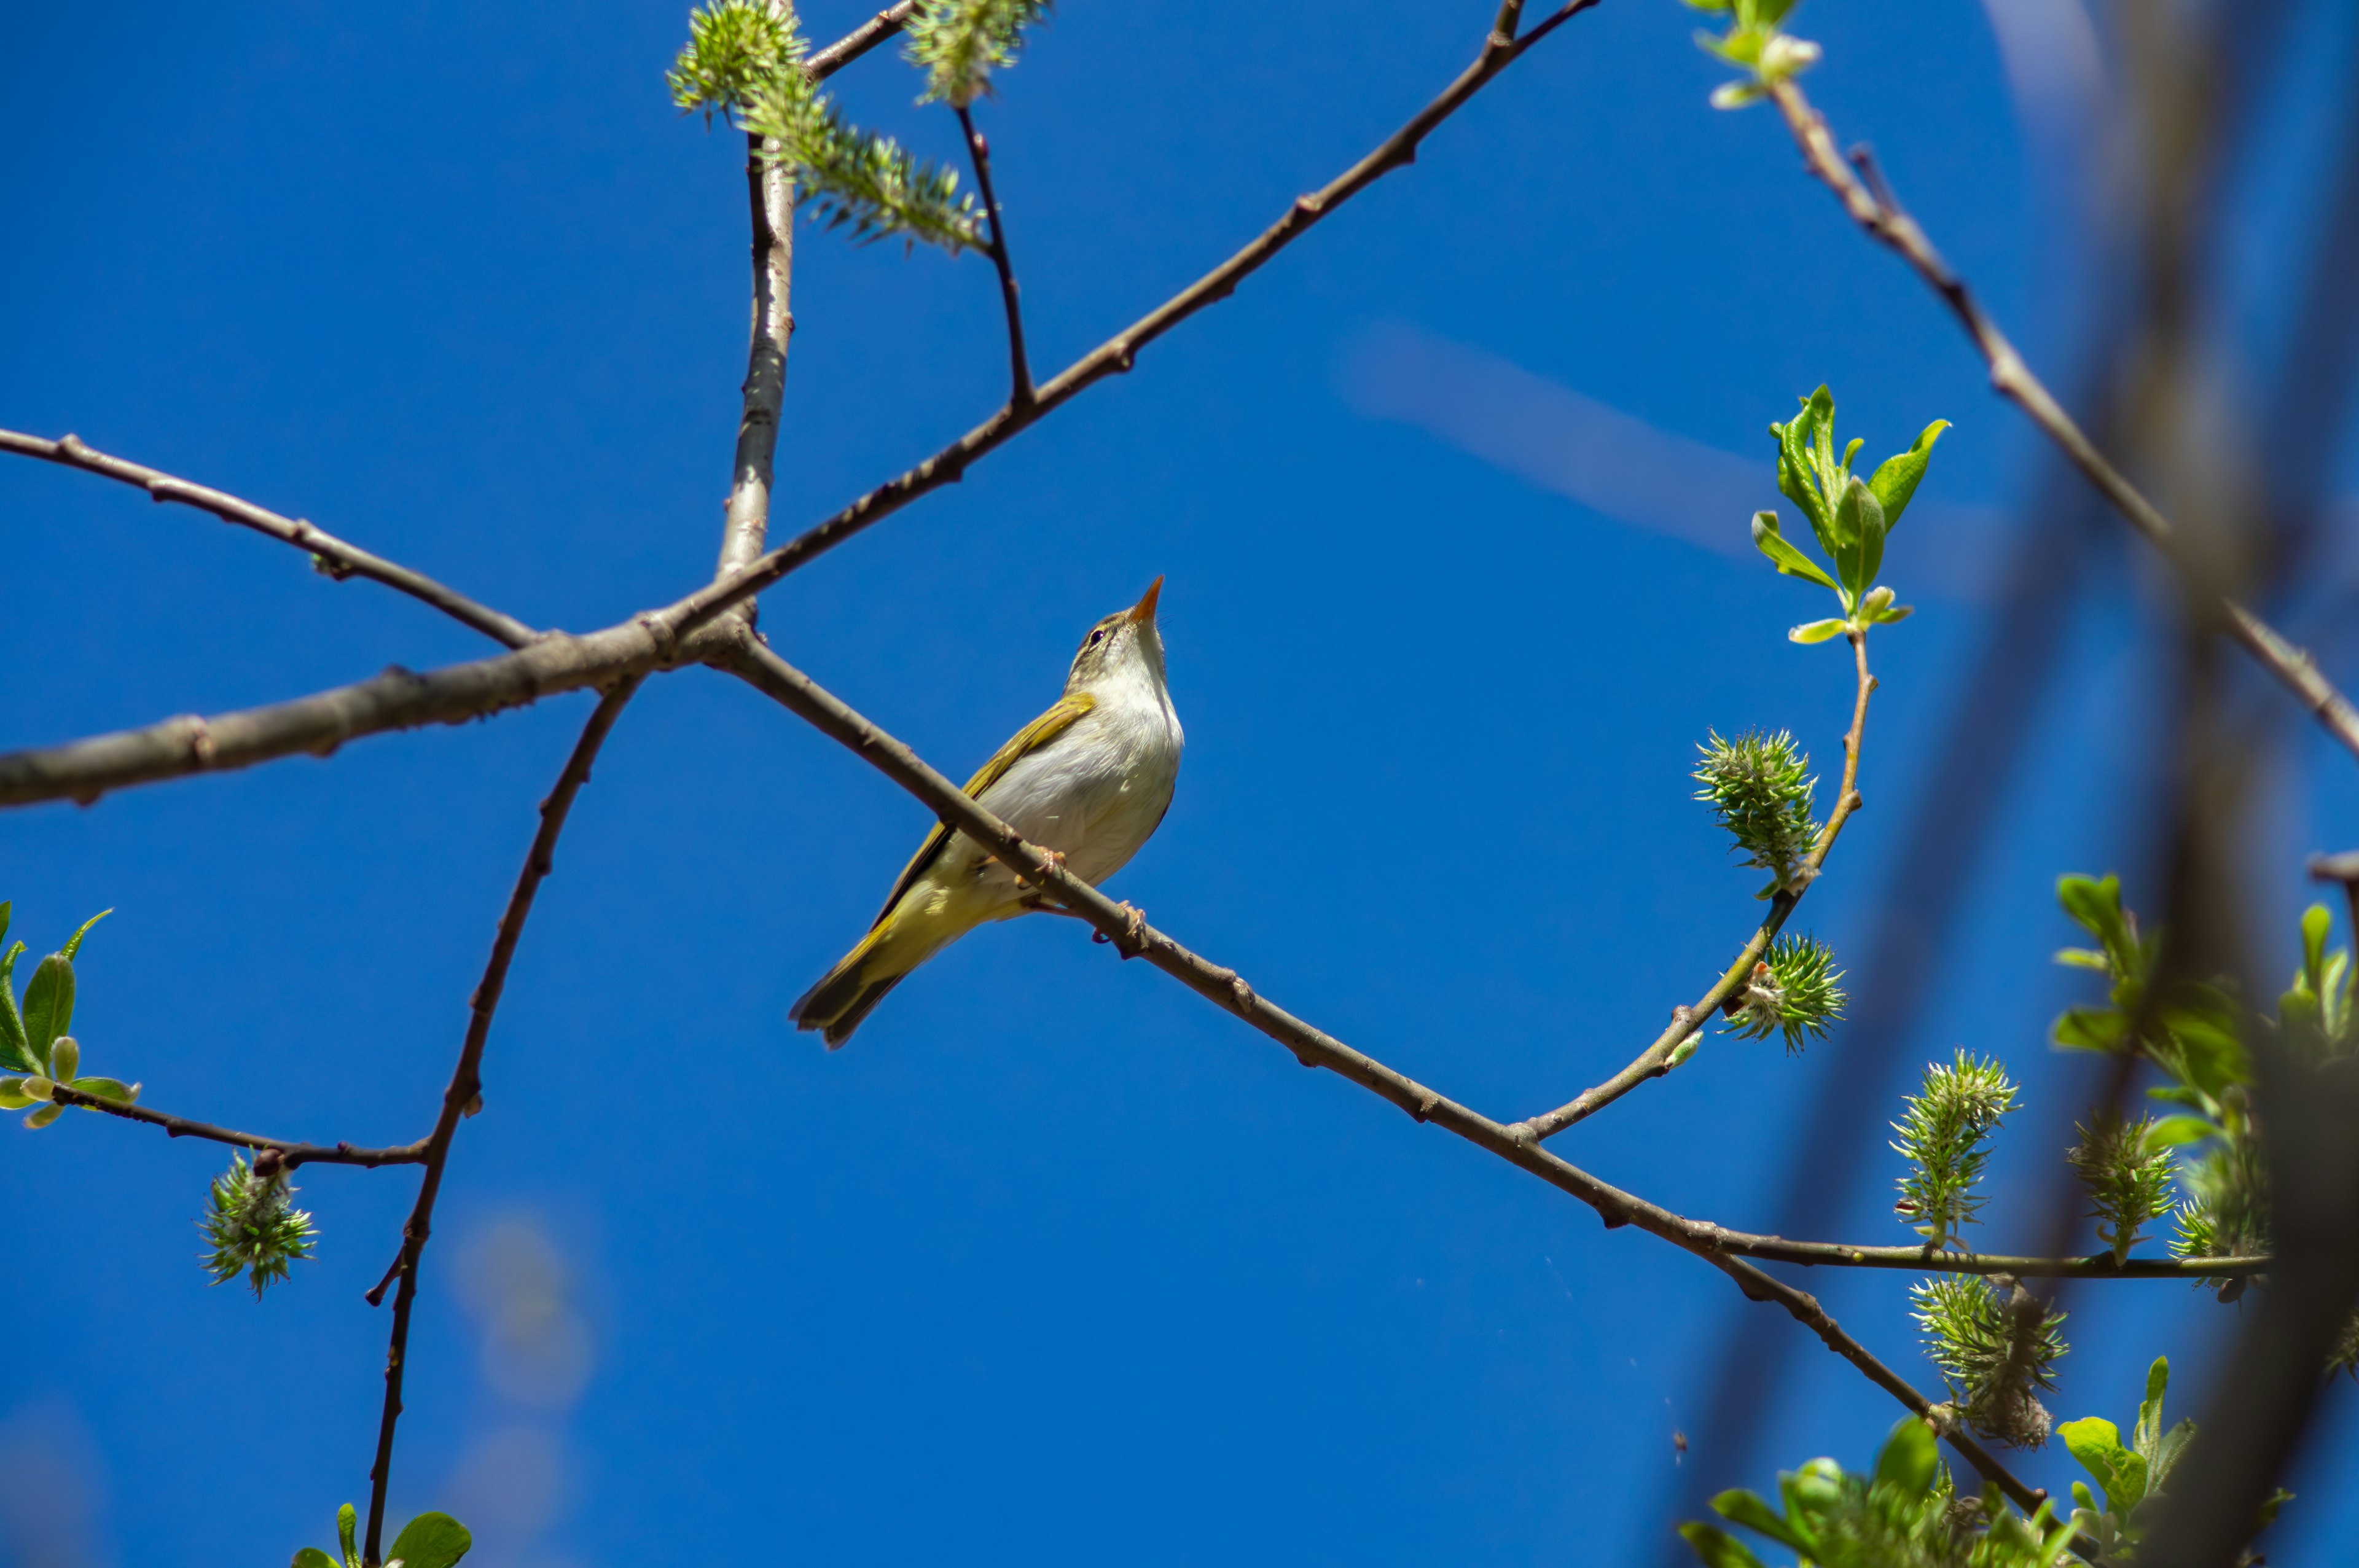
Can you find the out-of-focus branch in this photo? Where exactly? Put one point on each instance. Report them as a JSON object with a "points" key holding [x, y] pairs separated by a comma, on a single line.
{"points": [[825, 63], [2013, 379], [1686, 1022], [1118, 354], [1019, 366], [290, 1155], [1128, 931], [464, 1095], [337, 558]]}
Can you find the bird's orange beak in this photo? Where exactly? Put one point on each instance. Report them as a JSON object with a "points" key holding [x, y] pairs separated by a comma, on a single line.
{"points": [[1143, 610]]}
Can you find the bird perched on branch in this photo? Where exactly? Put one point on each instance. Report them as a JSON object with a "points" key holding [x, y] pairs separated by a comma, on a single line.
{"points": [[1088, 781]]}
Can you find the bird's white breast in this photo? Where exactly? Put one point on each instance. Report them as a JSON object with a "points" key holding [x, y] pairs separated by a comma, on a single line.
{"points": [[1098, 791]]}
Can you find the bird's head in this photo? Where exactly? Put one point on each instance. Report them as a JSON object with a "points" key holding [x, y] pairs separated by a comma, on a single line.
{"points": [[1125, 644]]}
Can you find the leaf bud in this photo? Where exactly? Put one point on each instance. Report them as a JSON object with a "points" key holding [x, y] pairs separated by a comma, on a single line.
{"points": [[65, 1059], [45, 1116], [37, 1086]]}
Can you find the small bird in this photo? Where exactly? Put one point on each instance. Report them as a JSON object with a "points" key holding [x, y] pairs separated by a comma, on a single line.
{"points": [[1088, 781]]}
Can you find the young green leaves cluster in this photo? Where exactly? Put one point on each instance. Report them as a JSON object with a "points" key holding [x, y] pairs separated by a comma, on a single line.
{"points": [[958, 43], [746, 59], [34, 1046], [1755, 44], [2127, 1168], [251, 1227], [1996, 1346], [430, 1541], [1850, 517], [1945, 1135], [2132, 1474], [1759, 787], [1792, 989], [1904, 1514]]}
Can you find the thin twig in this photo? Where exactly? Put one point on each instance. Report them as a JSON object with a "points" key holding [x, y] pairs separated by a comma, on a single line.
{"points": [[289, 1154], [1118, 354], [2014, 380], [770, 196], [1019, 367], [84, 770], [336, 558], [462, 1097], [1688, 1022], [1126, 931], [826, 62]]}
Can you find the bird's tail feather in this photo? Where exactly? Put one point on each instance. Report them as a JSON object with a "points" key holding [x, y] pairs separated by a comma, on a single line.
{"points": [[846, 993]]}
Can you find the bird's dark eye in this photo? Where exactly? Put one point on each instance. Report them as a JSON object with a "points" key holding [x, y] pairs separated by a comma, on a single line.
{"points": [[1097, 636]]}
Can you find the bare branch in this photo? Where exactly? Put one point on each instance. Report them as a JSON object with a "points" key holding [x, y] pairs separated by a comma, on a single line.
{"points": [[1125, 930], [1019, 366], [826, 62], [2014, 380], [339, 559], [289, 1154], [464, 1097], [398, 700], [1656, 1059], [770, 193], [1118, 354]]}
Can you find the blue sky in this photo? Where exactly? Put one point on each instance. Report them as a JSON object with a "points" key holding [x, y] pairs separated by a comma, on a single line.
{"points": [[1053, 1263]]}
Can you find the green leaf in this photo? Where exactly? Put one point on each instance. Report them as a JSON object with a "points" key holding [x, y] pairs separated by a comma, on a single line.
{"points": [[2090, 1029], [73, 943], [114, 1089], [313, 1557], [2149, 1431], [1909, 1458], [49, 1004], [2173, 1131], [2316, 922], [1717, 1548], [1818, 630], [1782, 553], [12, 1096], [2270, 1505], [2167, 1453], [2095, 905], [2083, 958], [431, 1541], [14, 1051], [46, 1115], [1894, 479], [1749, 1510], [2096, 1443], [1859, 522], [348, 1524]]}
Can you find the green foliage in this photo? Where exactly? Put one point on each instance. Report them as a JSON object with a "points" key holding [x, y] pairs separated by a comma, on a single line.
{"points": [[2127, 1173], [1945, 1135], [2190, 1029], [430, 1541], [1996, 1344], [2315, 1010], [34, 1048], [1753, 42], [1902, 1515], [961, 42], [2227, 1212], [1851, 518], [2344, 1354], [746, 60], [1759, 788], [1793, 988], [732, 48], [253, 1228], [2134, 1474]]}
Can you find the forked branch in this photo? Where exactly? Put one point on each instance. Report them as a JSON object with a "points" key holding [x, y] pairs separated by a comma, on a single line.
{"points": [[1019, 367]]}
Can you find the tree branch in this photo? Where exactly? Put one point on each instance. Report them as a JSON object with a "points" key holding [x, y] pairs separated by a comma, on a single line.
{"points": [[1118, 354], [398, 700], [1687, 1022], [2013, 379], [289, 1154], [1129, 933], [337, 559], [84, 770], [464, 1097], [770, 194], [826, 62], [1019, 367]]}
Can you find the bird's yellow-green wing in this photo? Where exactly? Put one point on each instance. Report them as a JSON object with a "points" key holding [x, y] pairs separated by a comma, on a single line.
{"points": [[1029, 739]]}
